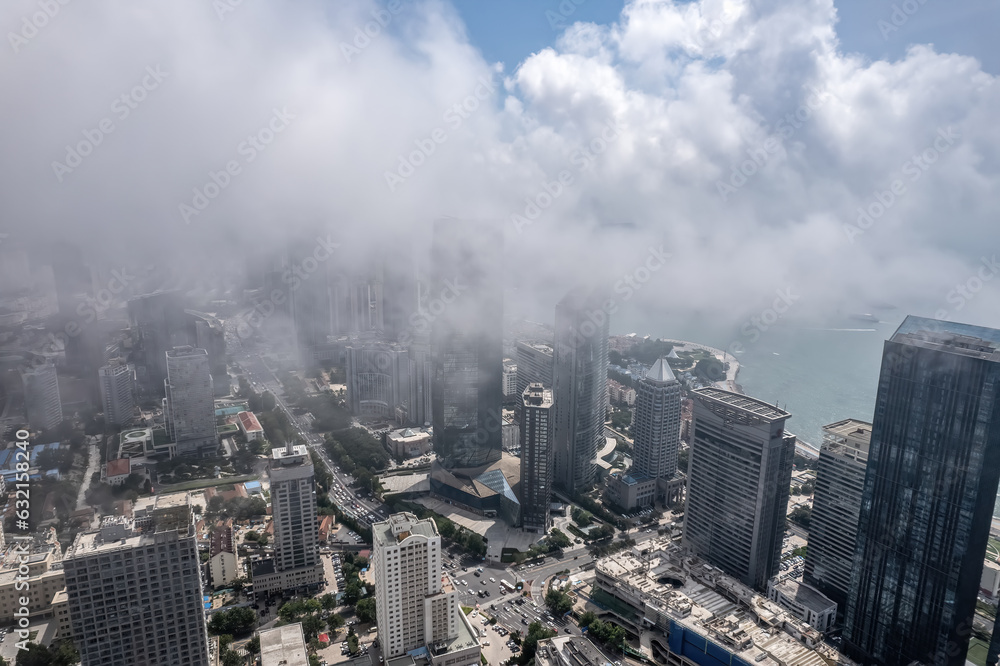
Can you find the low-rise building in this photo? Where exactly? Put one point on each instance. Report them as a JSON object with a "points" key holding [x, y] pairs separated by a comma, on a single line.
{"points": [[805, 602], [705, 616], [630, 492], [989, 584], [60, 610], [249, 426], [223, 562], [568, 651], [409, 442], [116, 472], [43, 583], [283, 646]]}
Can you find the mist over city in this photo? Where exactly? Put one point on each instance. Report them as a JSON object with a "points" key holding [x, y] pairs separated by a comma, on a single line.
{"points": [[468, 331]]}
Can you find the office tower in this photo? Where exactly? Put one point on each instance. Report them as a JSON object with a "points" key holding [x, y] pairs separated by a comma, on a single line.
{"points": [[117, 380], [377, 380], [283, 646], [209, 334], [833, 529], [420, 383], [656, 428], [134, 588], [296, 563], [400, 295], [537, 458], [416, 605], [157, 321], [933, 468], [580, 386], [72, 279], [189, 408], [41, 396], [534, 365], [509, 378], [739, 476], [465, 310]]}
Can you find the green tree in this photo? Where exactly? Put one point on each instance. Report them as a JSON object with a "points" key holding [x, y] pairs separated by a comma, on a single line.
{"points": [[558, 601], [366, 609], [352, 643], [352, 592], [587, 618], [801, 515], [253, 645], [328, 601], [536, 632], [235, 621], [559, 539]]}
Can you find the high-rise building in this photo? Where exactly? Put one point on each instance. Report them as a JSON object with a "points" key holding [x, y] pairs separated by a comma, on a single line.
{"points": [[117, 380], [189, 408], [833, 528], [419, 406], [210, 334], [41, 396], [927, 504], [509, 378], [296, 564], [739, 477], [537, 458], [580, 386], [416, 605], [134, 588], [534, 365], [377, 380], [465, 305], [157, 321], [656, 428]]}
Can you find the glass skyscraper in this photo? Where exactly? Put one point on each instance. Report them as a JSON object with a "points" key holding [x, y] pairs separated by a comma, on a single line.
{"points": [[464, 310], [929, 491]]}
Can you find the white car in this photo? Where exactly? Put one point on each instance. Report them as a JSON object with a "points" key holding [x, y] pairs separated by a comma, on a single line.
{"points": [[493, 580]]}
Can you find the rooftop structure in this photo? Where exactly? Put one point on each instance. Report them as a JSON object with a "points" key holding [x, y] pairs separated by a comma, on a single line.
{"points": [[283, 646], [703, 612], [568, 651]]}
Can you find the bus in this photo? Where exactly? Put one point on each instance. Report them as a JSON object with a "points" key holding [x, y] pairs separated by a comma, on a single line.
{"points": [[507, 587]]}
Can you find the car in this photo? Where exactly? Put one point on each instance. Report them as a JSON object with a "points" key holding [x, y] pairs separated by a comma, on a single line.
{"points": [[567, 630], [478, 574], [524, 622]]}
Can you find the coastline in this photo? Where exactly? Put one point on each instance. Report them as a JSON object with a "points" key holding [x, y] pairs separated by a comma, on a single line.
{"points": [[730, 384]]}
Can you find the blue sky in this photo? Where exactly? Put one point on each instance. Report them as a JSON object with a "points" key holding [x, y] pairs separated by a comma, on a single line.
{"points": [[510, 30]]}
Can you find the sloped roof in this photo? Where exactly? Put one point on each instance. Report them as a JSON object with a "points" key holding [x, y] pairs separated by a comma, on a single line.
{"points": [[661, 372]]}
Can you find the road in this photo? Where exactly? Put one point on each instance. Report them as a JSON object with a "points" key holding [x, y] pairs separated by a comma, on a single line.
{"points": [[365, 510]]}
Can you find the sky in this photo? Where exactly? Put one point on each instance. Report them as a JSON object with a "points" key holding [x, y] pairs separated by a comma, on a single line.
{"points": [[708, 158]]}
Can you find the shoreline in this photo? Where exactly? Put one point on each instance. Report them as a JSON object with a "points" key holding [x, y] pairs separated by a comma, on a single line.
{"points": [[730, 383]]}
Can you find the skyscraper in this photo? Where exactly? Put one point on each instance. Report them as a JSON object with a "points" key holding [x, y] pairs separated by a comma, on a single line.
{"points": [[534, 364], [933, 469], [416, 605], [465, 311], [41, 396], [656, 428], [134, 588], [377, 379], [117, 380], [833, 529], [537, 458], [296, 564], [580, 385], [739, 476], [189, 408], [157, 321]]}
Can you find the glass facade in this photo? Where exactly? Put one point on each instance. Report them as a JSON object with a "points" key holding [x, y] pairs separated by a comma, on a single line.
{"points": [[928, 496]]}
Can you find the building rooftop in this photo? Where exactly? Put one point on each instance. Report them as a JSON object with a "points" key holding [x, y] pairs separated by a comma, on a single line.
{"points": [[804, 595], [283, 646], [465, 638], [575, 650], [687, 591], [751, 406], [401, 526], [661, 372], [964, 339], [120, 467], [249, 421]]}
